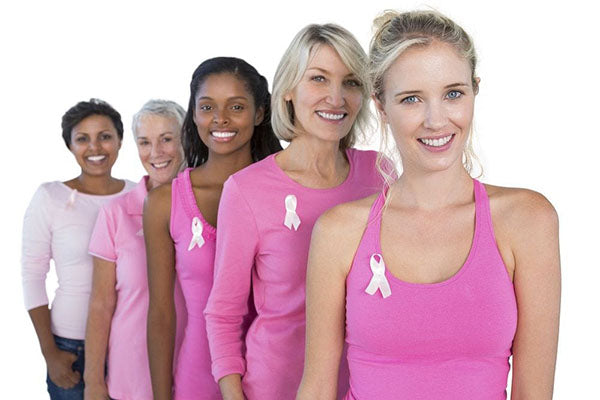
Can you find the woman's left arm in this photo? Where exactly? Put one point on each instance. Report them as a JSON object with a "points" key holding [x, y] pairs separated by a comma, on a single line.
{"points": [[102, 306], [534, 243]]}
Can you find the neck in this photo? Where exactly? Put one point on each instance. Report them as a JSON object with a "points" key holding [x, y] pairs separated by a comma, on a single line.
{"points": [[99, 185], [433, 190], [219, 167], [314, 156]]}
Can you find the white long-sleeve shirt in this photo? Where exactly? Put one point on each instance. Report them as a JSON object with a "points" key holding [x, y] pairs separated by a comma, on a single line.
{"points": [[58, 224]]}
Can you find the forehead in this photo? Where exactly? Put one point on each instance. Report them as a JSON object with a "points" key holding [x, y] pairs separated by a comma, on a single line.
{"points": [[93, 124], [431, 66], [325, 57], [153, 125], [223, 86]]}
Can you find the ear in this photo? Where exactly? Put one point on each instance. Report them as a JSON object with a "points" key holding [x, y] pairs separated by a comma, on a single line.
{"points": [[476, 81], [120, 143], [379, 107], [288, 97], [259, 115]]}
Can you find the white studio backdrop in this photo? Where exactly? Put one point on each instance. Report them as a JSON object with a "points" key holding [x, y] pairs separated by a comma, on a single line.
{"points": [[536, 119]]}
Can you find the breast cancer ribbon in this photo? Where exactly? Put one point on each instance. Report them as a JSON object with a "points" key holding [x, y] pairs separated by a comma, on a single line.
{"points": [[71, 201], [291, 218], [378, 281], [197, 239]]}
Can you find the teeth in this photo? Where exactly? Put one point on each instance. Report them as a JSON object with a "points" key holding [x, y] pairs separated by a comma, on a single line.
{"points": [[222, 134], [334, 117], [161, 165], [437, 142], [96, 158]]}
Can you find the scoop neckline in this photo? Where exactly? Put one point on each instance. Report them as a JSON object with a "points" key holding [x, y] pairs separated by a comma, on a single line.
{"points": [[64, 185], [465, 266], [289, 180]]}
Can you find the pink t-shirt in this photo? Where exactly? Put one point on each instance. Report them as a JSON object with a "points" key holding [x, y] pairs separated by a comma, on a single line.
{"points": [[57, 226], [194, 240], [118, 237], [446, 340], [265, 224]]}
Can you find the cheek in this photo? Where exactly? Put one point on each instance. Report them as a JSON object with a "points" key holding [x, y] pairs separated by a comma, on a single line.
{"points": [[144, 153]]}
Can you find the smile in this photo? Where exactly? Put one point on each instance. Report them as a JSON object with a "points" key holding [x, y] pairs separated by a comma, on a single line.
{"points": [[160, 165], [439, 142], [95, 159], [331, 116], [223, 135]]}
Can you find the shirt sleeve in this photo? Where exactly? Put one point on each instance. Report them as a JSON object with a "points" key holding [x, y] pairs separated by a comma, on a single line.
{"points": [[237, 244], [36, 248], [102, 241]]}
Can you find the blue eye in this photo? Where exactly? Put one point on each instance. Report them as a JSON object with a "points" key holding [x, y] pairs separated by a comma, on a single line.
{"points": [[454, 94], [318, 78], [353, 83], [410, 100]]}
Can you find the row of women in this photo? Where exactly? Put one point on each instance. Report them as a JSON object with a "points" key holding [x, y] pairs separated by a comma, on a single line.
{"points": [[238, 270]]}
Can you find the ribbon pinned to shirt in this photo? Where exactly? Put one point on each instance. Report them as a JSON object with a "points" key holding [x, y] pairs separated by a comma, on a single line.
{"points": [[378, 281], [291, 218], [71, 200], [197, 239]]}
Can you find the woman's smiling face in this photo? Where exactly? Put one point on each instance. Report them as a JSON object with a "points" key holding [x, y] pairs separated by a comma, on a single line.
{"points": [[328, 98], [428, 102], [95, 144]]}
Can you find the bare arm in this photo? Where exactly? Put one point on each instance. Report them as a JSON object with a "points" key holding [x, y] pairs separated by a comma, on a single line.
{"points": [[160, 253], [537, 288], [102, 306], [58, 362], [231, 387], [328, 267]]}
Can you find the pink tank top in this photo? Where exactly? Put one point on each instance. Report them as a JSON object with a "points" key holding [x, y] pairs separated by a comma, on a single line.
{"points": [[194, 242], [446, 340]]}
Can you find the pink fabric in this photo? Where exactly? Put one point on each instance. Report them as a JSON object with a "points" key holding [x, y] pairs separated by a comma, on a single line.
{"points": [[447, 340], [57, 226], [256, 250], [193, 379], [118, 237]]}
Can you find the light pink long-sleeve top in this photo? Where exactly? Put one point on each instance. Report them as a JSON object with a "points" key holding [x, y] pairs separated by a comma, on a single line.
{"points": [[254, 246], [58, 224]]}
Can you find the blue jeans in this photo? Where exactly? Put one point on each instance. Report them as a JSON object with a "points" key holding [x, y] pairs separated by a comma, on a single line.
{"points": [[75, 393]]}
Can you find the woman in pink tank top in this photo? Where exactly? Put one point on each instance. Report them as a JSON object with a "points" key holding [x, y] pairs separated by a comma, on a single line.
{"points": [[427, 276], [226, 128]]}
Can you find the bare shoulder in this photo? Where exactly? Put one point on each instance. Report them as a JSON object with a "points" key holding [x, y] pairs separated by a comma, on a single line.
{"points": [[158, 200], [523, 219], [339, 230], [521, 207]]}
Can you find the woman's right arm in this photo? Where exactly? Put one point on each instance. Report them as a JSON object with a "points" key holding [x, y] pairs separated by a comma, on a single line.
{"points": [[237, 244], [35, 264], [328, 267], [160, 253]]}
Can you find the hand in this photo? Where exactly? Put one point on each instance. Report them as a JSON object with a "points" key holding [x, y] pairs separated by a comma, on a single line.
{"points": [[96, 391], [60, 369]]}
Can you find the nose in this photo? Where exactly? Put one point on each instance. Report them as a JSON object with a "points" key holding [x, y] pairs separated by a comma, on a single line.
{"points": [[220, 117], [435, 116], [336, 95], [156, 150]]}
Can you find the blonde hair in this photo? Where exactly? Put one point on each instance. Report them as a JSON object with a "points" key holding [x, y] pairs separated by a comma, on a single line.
{"points": [[395, 32], [293, 64]]}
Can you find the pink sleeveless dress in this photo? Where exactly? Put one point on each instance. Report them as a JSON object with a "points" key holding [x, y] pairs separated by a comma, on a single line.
{"points": [[194, 242], [446, 340]]}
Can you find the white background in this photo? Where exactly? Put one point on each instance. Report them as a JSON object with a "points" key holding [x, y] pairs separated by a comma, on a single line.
{"points": [[537, 118]]}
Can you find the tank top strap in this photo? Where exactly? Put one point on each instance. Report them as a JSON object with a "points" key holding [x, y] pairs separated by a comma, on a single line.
{"points": [[179, 204], [375, 214], [483, 216]]}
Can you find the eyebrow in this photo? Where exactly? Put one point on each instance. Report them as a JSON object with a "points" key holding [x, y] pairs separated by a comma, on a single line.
{"points": [[328, 72], [229, 99], [405, 92], [161, 135]]}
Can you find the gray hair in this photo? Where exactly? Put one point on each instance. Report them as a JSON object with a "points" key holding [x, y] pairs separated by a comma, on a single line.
{"points": [[293, 64], [163, 108]]}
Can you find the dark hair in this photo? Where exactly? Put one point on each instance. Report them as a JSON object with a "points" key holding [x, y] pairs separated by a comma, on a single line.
{"points": [[84, 109], [263, 140]]}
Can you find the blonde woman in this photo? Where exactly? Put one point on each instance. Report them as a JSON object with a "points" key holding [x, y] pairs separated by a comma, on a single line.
{"points": [[427, 276], [268, 209]]}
